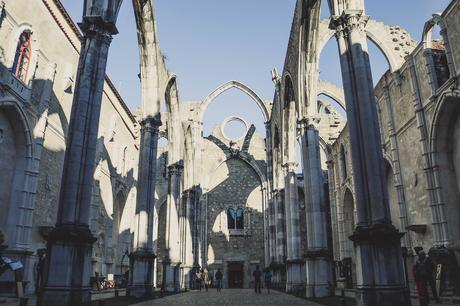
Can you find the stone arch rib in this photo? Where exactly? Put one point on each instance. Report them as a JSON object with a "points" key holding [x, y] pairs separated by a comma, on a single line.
{"points": [[238, 85]]}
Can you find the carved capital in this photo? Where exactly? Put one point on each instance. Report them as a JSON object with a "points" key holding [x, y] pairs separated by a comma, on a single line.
{"points": [[175, 169], [289, 166], [97, 28], [151, 125], [349, 21]]}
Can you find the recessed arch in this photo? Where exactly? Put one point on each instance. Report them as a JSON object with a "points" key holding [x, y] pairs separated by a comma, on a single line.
{"points": [[18, 223], [171, 93], [240, 86]]}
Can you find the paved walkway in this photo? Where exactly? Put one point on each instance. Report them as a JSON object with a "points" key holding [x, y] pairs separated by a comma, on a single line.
{"points": [[229, 297]]}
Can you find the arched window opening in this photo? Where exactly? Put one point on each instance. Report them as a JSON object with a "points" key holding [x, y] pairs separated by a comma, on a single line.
{"points": [[343, 161], [276, 142], [235, 219], [438, 49], [289, 95], [22, 57]]}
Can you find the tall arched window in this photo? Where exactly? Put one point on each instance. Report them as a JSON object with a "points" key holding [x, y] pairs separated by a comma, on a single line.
{"points": [[343, 161], [22, 57]]}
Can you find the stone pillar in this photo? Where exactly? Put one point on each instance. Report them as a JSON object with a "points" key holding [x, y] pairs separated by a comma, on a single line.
{"points": [[174, 228], [333, 206], [318, 264], [280, 237], [68, 267], [380, 272], [280, 226], [294, 261], [192, 217], [142, 258]]}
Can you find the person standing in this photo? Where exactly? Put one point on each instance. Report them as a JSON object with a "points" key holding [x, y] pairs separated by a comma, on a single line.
{"points": [[423, 273], [219, 276], [207, 279], [199, 278], [257, 280], [268, 280]]}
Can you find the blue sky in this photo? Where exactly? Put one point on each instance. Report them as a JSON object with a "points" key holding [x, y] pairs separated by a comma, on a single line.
{"points": [[209, 42]]}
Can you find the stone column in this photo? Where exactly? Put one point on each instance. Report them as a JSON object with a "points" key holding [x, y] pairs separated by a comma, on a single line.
{"points": [[68, 268], [270, 211], [318, 265], [294, 271], [174, 229], [380, 272], [280, 227], [141, 260], [189, 236]]}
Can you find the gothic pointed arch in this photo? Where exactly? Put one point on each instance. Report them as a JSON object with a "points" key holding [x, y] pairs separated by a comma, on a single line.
{"points": [[240, 86], [387, 38]]}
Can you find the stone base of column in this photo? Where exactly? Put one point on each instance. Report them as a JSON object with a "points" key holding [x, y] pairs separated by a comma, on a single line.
{"points": [[171, 276], [142, 265], [68, 267], [318, 274], [380, 271], [188, 276], [295, 275]]}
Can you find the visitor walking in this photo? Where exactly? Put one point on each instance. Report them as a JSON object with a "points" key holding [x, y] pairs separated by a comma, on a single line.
{"points": [[424, 277], [219, 276], [207, 279], [199, 278], [268, 280], [257, 279]]}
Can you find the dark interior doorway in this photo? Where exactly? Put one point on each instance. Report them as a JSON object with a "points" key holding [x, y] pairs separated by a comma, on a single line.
{"points": [[235, 275]]}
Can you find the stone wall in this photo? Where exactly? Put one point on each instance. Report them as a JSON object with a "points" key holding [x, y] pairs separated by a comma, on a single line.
{"points": [[45, 100]]}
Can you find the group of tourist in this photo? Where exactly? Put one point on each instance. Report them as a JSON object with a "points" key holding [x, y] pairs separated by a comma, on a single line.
{"points": [[203, 276], [258, 280]]}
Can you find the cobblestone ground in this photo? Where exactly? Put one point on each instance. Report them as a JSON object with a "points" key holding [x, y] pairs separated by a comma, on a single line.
{"points": [[229, 297]]}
